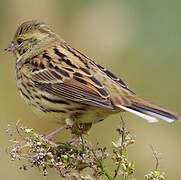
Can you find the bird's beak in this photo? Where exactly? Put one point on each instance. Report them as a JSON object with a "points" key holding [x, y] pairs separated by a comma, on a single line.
{"points": [[11, 47]]}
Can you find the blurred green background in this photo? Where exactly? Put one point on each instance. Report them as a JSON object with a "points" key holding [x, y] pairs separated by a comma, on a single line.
{"points": [[140, 41]]}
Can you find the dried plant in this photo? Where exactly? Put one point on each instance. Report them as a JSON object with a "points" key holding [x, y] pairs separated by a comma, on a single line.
{"points": [[70, 161]]}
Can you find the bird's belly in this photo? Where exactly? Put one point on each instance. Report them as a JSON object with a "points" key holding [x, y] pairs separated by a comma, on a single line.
{"points": [[61, 111], [76, 112], [93, 115]]}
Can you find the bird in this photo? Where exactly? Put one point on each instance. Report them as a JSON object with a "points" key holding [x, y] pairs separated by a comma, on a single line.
{"points": [[60, 83]]}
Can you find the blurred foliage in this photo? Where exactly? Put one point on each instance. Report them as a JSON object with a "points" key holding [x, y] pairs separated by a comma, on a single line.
{"points": [[137, 40]]}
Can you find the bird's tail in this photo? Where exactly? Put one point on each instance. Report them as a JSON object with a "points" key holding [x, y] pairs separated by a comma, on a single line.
{"points": [[151, 111]]}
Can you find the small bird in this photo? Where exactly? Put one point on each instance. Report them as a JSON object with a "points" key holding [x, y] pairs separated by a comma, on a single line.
{"points": [[59, 82]]}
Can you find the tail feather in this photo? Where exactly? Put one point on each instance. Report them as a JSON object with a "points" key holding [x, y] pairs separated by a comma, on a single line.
{"points": [[151, 111], [150, 119]]}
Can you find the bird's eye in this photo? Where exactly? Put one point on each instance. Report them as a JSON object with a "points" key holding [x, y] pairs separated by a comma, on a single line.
{"points": [[19, 41]]}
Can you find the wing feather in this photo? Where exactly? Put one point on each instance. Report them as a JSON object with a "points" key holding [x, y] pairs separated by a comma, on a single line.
{"points": [[77, 85]]}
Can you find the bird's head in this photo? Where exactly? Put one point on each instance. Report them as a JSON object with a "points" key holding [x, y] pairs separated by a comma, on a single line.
{"points": [[31, 38]]}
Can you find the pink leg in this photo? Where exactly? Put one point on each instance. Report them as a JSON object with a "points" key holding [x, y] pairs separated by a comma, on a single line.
{"points": [[49, 137], [75, 140]]}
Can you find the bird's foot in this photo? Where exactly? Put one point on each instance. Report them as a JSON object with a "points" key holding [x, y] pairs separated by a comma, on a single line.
{"points": [[49, 137], [54, 145], [76, 140]]}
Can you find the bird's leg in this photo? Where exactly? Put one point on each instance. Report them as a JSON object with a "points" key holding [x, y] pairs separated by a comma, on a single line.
{"points": [[78, 140], [79, 130], [74, 140], [69, 123], [50, 142], [49, 136]]}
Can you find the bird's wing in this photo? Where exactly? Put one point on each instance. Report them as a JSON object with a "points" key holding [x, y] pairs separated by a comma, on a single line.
{"points": [[61, 78], [88, 61]]}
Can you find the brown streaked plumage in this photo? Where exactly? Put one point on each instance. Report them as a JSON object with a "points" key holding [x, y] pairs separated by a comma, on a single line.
{"points": [[61, 83]]}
